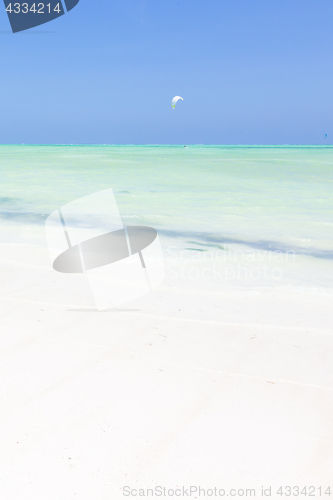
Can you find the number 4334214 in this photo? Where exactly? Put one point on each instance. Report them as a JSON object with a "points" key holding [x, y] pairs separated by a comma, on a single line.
{"points": [[36, 8]]}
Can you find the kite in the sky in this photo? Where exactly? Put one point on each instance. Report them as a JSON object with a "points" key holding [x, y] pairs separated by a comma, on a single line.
{"points": [[325, 136], [175, 100]]}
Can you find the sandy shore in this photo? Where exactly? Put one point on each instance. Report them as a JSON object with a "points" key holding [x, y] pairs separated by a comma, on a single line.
{"points": [[198, 383]]}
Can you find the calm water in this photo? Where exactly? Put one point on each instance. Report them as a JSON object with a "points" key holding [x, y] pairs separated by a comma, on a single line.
{"points": [[264, 198]]}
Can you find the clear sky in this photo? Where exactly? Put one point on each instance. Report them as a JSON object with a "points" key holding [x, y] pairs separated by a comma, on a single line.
{"points": [[250, 72]]}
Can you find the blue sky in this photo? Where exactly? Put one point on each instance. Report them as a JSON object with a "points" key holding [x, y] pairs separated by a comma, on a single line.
{"points": [[250, 72]]}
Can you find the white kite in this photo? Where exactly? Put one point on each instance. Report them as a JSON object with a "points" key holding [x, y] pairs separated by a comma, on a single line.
{"points": [[175, 100]]}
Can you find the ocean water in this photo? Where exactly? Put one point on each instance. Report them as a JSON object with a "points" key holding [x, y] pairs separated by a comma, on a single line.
{"points": [[269, 204]]}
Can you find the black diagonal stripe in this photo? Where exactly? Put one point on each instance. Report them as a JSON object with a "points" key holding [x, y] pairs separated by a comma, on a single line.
{"points": [[70, 4]]}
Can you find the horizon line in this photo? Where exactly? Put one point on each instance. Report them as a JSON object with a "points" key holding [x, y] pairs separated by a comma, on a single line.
{"points": [[164, 144]]}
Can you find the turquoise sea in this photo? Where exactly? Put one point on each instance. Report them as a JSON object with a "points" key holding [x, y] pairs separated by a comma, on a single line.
{"points": [[273, 199]]}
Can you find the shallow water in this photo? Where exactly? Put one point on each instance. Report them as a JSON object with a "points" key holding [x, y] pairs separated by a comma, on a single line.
{"points": [[266, 199]]}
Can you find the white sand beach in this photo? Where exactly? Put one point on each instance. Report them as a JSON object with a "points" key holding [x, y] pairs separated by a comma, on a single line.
{"points": [[189, 385]]}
